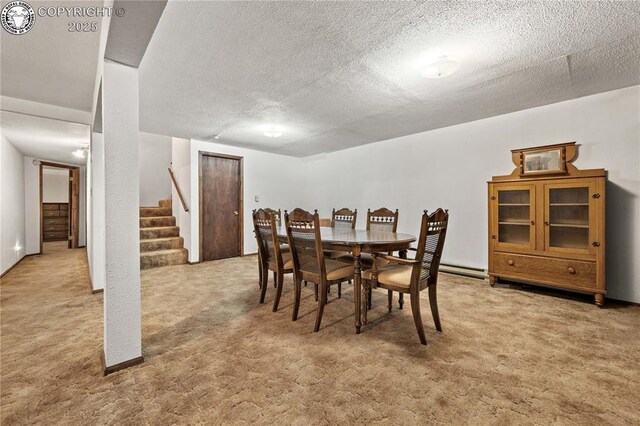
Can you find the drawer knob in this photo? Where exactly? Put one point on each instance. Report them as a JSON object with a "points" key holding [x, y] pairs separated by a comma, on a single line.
{"points": [[510, 262], [571, 270]]}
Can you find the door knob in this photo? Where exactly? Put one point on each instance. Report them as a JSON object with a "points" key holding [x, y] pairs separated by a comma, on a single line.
{"points": [[235, 212]]}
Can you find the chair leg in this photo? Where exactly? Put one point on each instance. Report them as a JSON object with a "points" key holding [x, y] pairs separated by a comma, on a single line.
{"points": [[278, 291], [328, 291], [305, 283], [263, 287], [433, 302], [417, 318], [400, 300], [260, 273], [369, 298], [390, 300], [315, 290], [275, 279], [297, 284], [339, 290], [323, 301]]}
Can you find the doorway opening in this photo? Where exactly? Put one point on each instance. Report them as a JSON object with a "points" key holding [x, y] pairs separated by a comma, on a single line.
{"points": [[59, 205], [221, 206]]}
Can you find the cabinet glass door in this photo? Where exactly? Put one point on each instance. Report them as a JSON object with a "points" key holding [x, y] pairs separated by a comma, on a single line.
{"points": [[568, 218], [515, 217]]}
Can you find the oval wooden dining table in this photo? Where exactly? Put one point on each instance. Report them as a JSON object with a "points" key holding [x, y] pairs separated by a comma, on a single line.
{"points": [[356, 242]]}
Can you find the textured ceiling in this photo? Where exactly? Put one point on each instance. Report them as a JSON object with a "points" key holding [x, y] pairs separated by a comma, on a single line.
{"points": [[129, 34], [49, 64], [340, 74], [44, 138]]}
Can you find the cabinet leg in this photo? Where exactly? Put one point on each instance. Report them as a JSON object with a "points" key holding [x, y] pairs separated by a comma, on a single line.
{"points": [[492, 280], [599, 300]]}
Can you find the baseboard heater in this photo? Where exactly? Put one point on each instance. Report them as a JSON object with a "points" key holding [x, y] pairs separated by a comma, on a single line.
{"points": [[466, 271]]}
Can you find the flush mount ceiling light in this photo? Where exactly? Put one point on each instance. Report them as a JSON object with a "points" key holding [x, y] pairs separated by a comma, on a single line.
{"points": [[272, 131], [443, 67]]}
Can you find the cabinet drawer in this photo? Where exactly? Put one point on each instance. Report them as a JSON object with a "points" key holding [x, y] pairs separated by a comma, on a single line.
{"points": [[50, 207], [55, 227], [55, 221], [560, 271], [48, 213], [55, 234]]}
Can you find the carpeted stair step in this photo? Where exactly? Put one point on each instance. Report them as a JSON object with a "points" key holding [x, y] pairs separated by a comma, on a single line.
{"points": [[154, 259], [159, 232], [155, 221], [165, 203], [156, 244], [155, 211]]}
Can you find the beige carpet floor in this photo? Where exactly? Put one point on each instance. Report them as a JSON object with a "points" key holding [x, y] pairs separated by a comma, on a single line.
{"points": [[213, 355]]}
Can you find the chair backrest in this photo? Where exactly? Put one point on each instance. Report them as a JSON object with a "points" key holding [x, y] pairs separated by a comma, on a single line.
{"points": [[264, 224], [382, 219], [344, 218], [430, 244], [277, 214], [303, 231]]}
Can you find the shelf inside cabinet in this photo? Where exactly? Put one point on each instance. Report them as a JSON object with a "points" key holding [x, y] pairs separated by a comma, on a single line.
{"points": [[569, 225]]}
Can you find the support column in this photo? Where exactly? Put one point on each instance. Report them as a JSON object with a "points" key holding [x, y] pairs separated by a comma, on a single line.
{"points": [[97, 267], [122, 311]]}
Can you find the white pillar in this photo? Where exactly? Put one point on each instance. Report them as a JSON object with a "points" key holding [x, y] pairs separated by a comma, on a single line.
{"points": [[122, 314], [97, 267]]}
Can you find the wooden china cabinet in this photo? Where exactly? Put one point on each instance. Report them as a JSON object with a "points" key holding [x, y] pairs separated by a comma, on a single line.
{"points": [[547, 222]]}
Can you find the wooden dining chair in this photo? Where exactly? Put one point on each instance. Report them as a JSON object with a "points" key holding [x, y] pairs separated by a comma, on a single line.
{"points": [[414, 275], [382, 219], [270, 254], [283, 247], [309, 263], [341, 219]]}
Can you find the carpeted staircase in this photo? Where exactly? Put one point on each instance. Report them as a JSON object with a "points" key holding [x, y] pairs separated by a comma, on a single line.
{"points": [[160, 240]]}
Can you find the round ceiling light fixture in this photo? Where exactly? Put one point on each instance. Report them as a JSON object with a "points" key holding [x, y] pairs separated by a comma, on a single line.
{"points": [[272, 131], [443, 67]]}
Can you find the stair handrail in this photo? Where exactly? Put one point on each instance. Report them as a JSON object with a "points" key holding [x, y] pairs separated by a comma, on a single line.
{"points": [[175, 184]]}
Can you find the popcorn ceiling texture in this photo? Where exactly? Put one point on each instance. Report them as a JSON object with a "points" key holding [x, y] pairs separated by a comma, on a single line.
{"points": [[342, 74], [213, 355]]}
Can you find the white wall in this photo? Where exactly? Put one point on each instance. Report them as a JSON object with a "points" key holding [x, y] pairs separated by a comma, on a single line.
{"points": [[449, 168], [155, 158], [12, 205], [180, 149], [55, 185]]}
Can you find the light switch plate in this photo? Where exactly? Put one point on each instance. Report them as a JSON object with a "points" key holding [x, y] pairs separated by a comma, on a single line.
{"points": [[257, 199]]}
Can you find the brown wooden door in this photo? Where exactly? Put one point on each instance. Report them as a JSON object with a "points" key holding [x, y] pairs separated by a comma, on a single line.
{"points": [[74, 207], [220, 207]]}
